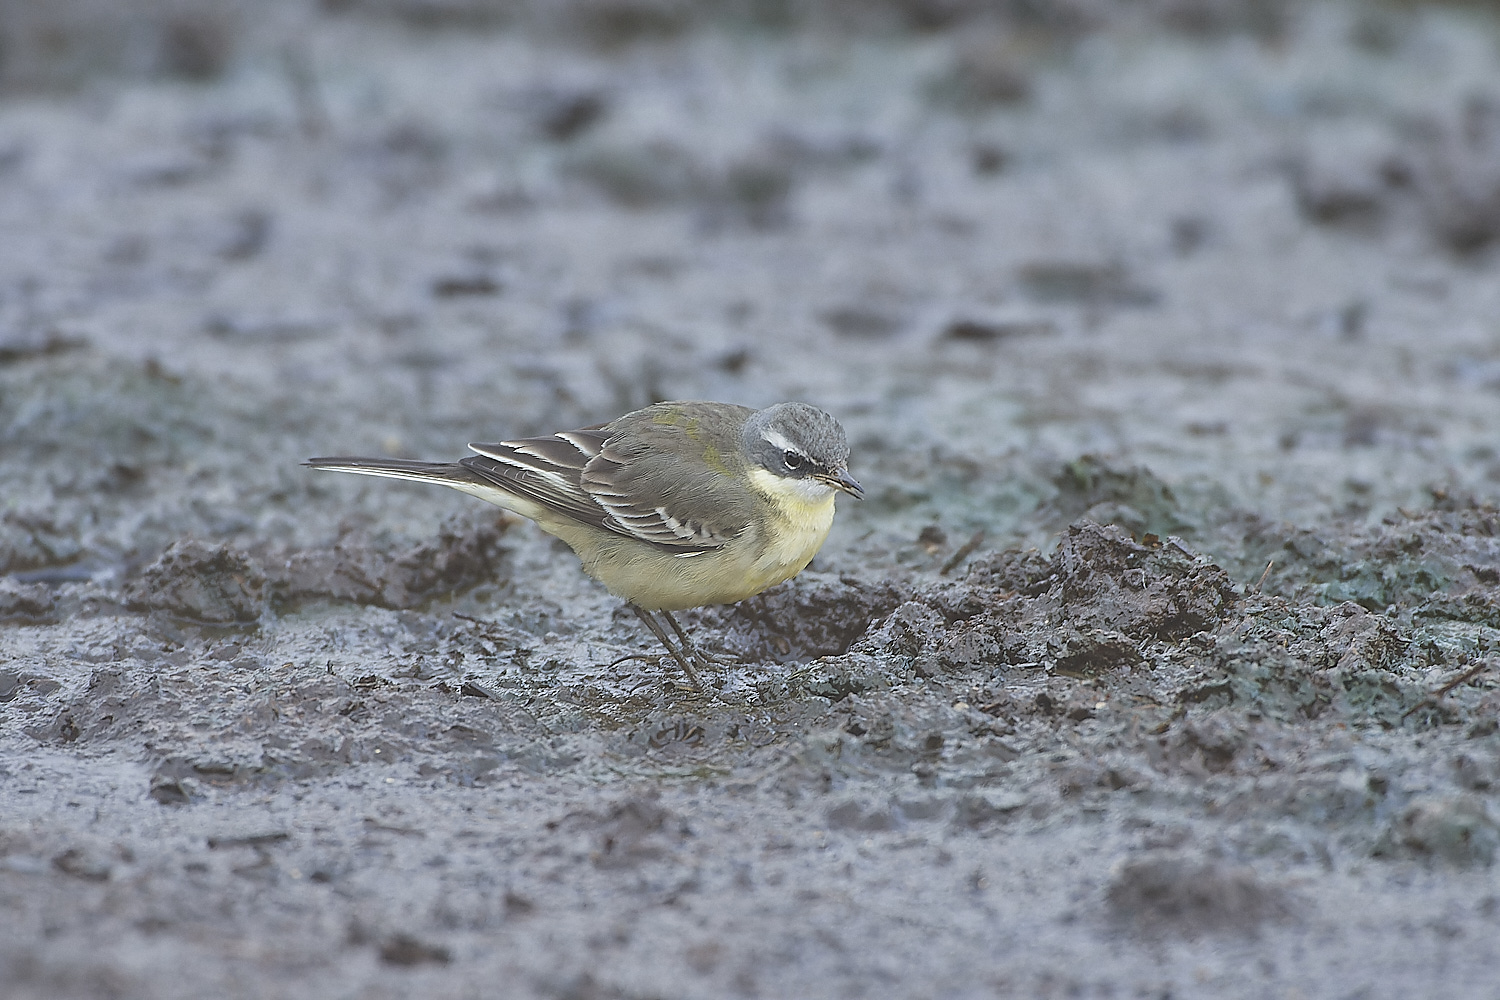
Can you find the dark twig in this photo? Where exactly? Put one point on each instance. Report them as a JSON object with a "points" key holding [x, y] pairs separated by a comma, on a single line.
{"points": [[1465, 677], [1262, 581], [964, 551], [651, 658], [488, 629]]}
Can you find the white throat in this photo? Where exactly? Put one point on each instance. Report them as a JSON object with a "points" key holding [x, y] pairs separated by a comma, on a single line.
{"points": [[809, 490]]}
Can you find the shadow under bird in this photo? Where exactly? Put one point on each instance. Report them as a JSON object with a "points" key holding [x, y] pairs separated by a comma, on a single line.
{"points": [[677, 505]]}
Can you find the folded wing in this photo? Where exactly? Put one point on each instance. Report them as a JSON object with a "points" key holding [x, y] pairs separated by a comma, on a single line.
{"points": [[590, 475]]}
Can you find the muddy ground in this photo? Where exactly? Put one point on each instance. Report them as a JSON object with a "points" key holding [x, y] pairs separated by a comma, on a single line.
{"points": [[1163, 659]]}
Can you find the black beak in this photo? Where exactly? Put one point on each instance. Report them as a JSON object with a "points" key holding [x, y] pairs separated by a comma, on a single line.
{"points": [[841, 480]]}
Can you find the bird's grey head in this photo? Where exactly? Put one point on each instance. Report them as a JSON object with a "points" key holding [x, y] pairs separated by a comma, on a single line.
{"points": [[798, 441]]}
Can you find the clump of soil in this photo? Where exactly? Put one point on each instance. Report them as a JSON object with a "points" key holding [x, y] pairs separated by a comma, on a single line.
{"points": [[1442, 562], [217, 584], [20, 602], [1164, 891], [201, 582], [466, 552], [1096, 604]]}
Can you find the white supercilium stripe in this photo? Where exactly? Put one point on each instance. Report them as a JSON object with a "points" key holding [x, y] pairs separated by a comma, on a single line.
{"points": [[778, 440]]}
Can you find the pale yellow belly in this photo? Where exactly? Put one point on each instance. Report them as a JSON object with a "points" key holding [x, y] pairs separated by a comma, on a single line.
{"points": [[658, 580]]}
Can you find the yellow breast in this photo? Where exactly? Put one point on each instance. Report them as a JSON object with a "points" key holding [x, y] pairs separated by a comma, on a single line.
{"points": [[801, 514], [798, 516]]}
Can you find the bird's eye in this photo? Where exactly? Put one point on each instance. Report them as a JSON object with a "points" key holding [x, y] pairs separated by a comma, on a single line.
{"points": [[792, 459]]}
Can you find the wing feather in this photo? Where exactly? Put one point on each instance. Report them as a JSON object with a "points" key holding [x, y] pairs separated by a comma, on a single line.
{"points": [[656, 475], [591, 476], [649, 505]]}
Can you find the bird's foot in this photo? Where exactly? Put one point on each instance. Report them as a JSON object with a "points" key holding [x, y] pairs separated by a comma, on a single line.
{"points": [[684, 656]]}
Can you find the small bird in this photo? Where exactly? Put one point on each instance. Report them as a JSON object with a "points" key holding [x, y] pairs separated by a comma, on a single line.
{"points": [[676, 505]]}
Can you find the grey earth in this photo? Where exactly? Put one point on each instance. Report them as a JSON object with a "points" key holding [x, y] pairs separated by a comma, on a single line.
{"points": [[1162, 659]]}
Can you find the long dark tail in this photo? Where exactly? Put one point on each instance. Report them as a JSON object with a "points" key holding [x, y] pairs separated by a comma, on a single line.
{"points": [[442, 473]]}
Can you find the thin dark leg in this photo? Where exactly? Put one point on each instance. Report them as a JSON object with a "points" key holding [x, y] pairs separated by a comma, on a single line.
{"points": [[661, 634], [687, 644]]}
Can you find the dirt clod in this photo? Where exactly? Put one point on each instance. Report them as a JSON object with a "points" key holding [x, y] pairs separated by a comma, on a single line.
{"points": [[1190, 895], [1115, 583], [403, 949], [466, 552], [1459, 830], [202, 582], [815, 615], [21, 602]]}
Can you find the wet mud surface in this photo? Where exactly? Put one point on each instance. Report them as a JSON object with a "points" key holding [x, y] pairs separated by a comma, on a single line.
{"points": [[1163, 658]]}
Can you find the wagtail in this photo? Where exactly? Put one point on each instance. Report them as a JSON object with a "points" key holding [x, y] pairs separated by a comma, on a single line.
{"points": [[676, 505]]}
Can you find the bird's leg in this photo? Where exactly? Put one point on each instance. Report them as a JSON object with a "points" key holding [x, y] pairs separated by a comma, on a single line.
{"points": [[698, 656], [661, 634]]}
